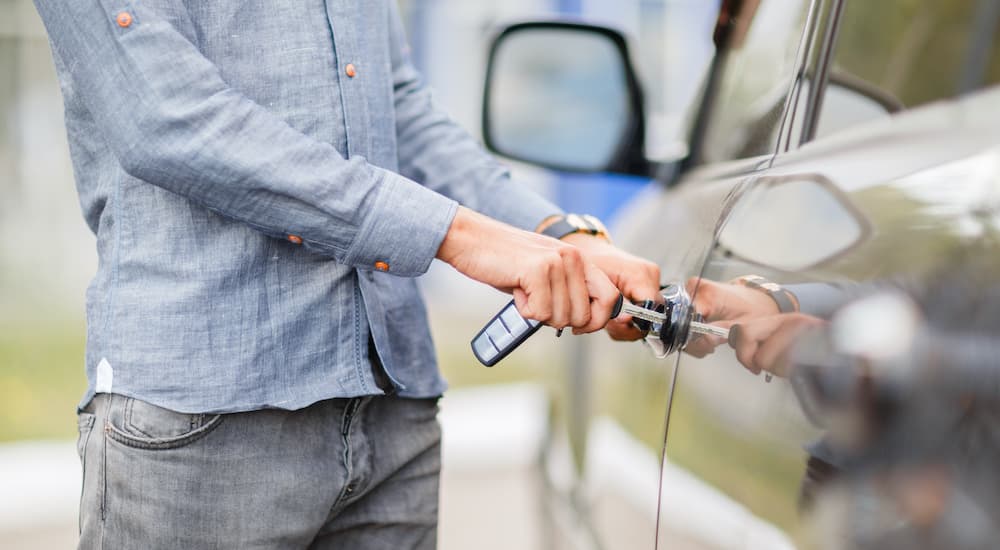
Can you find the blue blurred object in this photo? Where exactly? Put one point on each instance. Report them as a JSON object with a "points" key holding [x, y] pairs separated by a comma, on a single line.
{"points": [[599, 195]]}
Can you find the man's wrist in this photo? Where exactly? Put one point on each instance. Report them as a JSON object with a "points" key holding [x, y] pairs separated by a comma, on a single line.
{"points": [[453, 242]]}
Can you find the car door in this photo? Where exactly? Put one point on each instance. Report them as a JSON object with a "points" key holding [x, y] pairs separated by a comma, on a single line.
{"points": [[872, 184], [673, 224]]}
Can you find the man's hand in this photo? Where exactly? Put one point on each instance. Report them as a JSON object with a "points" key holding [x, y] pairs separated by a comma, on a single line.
{"points": [[552, 282], [636, 278]]}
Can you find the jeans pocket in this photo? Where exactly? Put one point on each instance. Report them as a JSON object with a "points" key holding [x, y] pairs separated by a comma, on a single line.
{"points": [[142, 425]]}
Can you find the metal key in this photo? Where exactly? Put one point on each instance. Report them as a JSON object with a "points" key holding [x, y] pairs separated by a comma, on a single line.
{"points": [[657, 317], [637, 311], [710, 330]]}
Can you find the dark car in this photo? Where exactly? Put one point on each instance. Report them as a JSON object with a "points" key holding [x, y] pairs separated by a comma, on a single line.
{"points": [[848, 150]]}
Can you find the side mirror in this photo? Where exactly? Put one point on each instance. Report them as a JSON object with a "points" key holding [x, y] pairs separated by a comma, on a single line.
{"points": [[792, 223], [564, 96]]}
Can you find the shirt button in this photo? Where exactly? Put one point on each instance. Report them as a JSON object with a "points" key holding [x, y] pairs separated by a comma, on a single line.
{"points": [[124, 19], [350, 70], [295, 239], [381, 266]]}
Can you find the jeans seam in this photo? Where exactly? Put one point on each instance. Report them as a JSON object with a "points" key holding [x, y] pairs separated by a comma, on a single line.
{"points": [[104, 476], [89, 426]]}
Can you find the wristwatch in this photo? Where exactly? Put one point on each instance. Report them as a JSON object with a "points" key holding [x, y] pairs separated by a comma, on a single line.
{"points": [[558, 227], [786, 301]]}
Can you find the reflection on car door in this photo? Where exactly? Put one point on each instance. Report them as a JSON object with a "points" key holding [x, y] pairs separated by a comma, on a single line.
{"points": [[914, 180]]}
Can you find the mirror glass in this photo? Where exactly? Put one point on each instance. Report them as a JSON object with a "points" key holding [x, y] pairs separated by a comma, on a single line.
{"points": [[792, 224], [558, 97]]}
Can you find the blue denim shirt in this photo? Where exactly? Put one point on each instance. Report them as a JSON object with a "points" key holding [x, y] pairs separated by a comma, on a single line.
{"points": [[265, 179]]}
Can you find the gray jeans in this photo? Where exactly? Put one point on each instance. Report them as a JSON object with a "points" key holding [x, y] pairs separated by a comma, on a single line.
{"points": [[345, 473]]}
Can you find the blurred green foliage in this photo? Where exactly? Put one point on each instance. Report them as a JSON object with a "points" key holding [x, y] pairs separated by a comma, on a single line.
{"points": [[41, 378]]}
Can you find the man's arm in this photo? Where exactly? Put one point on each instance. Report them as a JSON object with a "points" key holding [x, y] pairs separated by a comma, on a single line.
{"points": [[438, 153], [171, 120]]}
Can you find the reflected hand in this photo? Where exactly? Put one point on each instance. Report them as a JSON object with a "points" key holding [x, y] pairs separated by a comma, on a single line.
{"points": [[763, 344], [724, 304]]}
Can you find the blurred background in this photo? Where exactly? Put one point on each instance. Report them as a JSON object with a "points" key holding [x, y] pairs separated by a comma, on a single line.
{"points": [[47, 258]]}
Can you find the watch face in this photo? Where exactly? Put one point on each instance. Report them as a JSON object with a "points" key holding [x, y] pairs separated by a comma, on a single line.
{"points": [[577, 222]]}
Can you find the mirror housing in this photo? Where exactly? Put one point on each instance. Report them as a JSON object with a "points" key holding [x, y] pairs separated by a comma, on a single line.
{"points": [[564, 96], [792, 223]]}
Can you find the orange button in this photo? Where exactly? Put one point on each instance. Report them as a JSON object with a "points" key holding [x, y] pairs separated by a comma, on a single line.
{"points": [[124, 19], [350, 70], [295, 239], [381, 266]]}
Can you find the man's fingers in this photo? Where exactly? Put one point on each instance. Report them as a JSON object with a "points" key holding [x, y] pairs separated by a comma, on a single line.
{"points": [[559, 293], [641, 281], [537, 301], [576, 285], [603, 295]]}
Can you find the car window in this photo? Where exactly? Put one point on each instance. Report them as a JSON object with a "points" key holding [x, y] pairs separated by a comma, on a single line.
{"points": [[900, 54], [756, 77]]}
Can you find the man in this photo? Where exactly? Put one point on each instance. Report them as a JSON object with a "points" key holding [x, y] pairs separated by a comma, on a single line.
{"points": [[265, 179]]}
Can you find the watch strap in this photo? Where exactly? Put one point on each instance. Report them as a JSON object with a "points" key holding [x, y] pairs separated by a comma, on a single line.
{"points": [[576, 223], [782, 297]]}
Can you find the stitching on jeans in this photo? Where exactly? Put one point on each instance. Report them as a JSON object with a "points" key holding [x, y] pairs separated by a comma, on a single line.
{"points": [[163, 442], [104, 476], [88, 425], [194, 421]]}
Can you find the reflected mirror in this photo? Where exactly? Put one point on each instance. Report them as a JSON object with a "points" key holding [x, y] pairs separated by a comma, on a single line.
{"points": [[792, 223], [561, 95], [845, 106]]}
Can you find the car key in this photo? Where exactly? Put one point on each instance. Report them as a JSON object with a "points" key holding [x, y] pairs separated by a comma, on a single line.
{"points": [[638, 312], [508, 330], [502, 335]]}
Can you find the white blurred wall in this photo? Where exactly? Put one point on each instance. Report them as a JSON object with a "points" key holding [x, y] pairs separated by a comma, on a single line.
{"points": [[47, 253]]}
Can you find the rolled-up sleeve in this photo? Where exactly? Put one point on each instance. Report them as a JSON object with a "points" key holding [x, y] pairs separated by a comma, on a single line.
{"points": [[437, 152], [170, 119]]}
